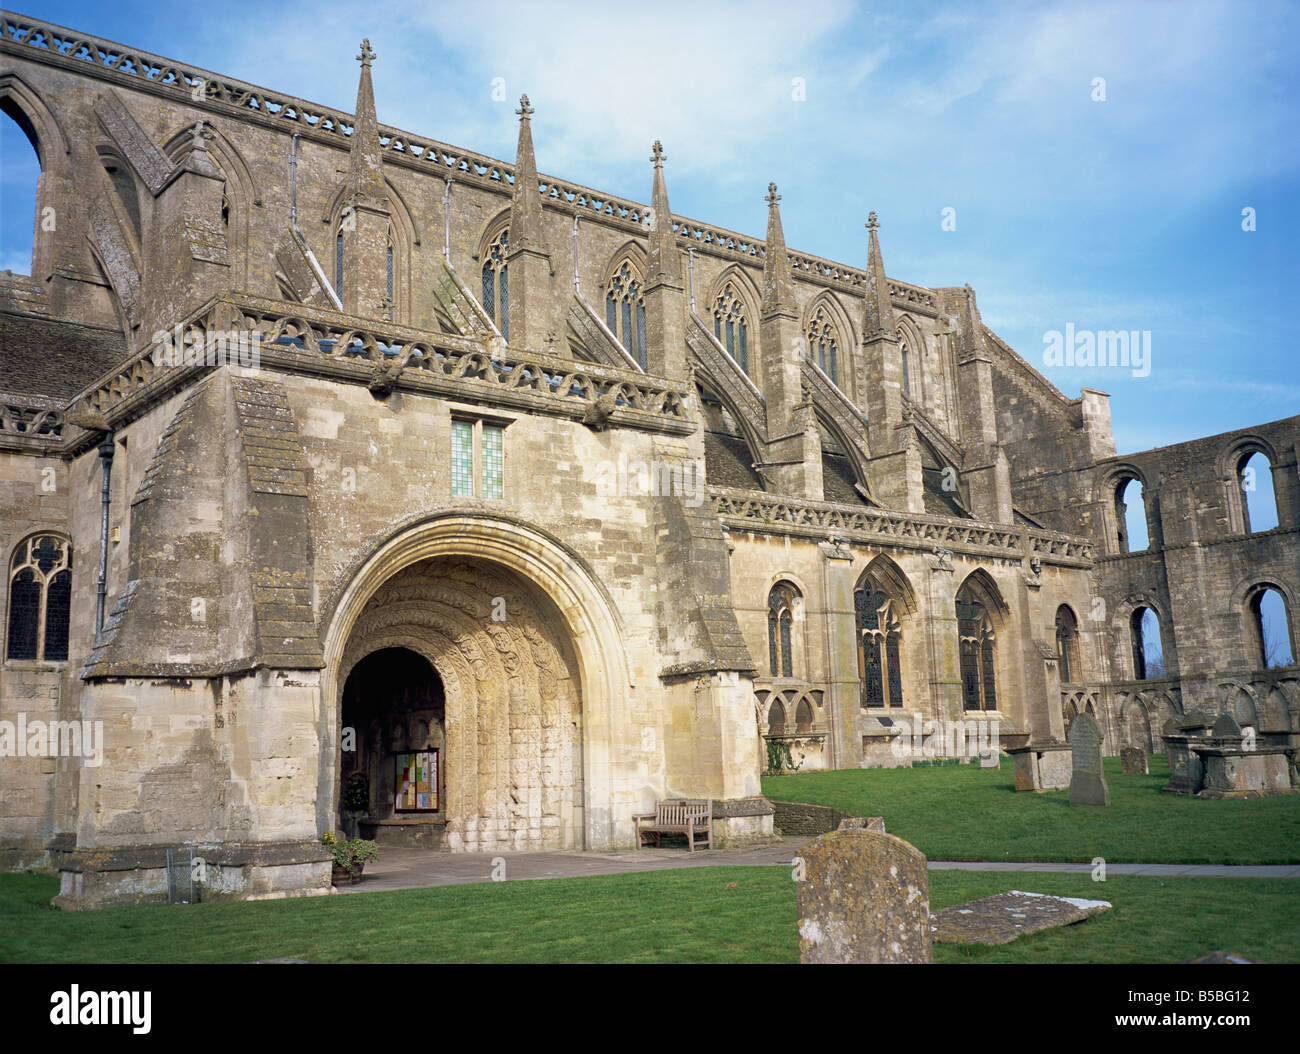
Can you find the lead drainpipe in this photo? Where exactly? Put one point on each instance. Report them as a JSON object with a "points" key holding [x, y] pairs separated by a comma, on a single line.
{"points": [[106, 497], [690, 264], [576, 287], [446, 220], [316, 268]]}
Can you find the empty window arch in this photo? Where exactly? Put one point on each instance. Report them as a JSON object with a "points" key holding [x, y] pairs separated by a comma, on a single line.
{"points": [[1148, 649], [22, 172], [1270, 624], [1258, 502], [1131, 516], [776, 718]]}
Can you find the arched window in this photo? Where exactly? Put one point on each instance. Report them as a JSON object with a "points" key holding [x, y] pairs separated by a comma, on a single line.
{"points": [[880, 670], [1271, 624], [731, 326], [123, 184], [625, 312], [1258, 505], [1067, 644], [803, 717], [495, 291], [776, 718], [40, 599], [780, 629], [1148, 651], [22, 174], [907, 369], [823, 344], [975, 637], [1131, 516]]}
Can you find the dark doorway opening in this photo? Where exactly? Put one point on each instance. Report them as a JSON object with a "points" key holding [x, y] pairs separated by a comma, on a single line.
{"points": [[393, 738]]}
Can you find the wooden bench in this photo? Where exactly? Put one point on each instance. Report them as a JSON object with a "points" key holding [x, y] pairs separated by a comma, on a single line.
{"points": [[689, 816]]}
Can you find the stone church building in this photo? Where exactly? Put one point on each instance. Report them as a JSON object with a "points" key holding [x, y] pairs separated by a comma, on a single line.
{"points": [[350, 479]]}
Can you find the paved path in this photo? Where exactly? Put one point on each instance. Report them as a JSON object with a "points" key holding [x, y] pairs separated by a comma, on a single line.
{"points": [[419, 868]]}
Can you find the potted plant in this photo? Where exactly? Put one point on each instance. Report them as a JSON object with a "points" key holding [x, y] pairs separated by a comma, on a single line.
{"points": [[349, 857]]}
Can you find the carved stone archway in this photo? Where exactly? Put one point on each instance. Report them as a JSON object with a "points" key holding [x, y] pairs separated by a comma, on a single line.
{"points": [[534, 699]]}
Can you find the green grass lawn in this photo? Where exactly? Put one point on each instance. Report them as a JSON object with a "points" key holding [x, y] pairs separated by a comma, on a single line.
{"points": [[963, 812], [694, 915]]}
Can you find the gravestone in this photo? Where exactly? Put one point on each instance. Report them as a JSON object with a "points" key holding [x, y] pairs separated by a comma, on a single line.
{"points": [[1005, 917], [1133, 761], [1236, 765], [1087, 784], [863, 897]]}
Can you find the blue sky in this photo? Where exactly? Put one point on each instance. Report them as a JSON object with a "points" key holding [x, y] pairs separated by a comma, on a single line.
{"points": [[1122, 214]]}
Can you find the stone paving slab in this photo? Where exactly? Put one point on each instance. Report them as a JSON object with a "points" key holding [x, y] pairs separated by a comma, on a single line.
{"points": [[421, 868], [1005, 917]]}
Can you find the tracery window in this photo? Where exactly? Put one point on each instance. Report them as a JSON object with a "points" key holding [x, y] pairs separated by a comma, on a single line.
{"points": [[496, 297], [625, 312], [40, 599], [978, 660], [731, 326], [780, 623], [823, 344], [880, 671], [1067, 644]]}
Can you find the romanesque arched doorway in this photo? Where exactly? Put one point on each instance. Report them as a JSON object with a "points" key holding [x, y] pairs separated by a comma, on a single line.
{"points": [[466, 681], [563, 631], [392, 745]]}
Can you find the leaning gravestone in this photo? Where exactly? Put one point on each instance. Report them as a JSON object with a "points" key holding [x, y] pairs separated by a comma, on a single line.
{"points": [[863, 897], [1087, 784], [1133, 761]]}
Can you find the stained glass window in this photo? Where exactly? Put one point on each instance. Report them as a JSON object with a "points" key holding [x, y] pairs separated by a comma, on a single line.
{"points": [[462, 458], [477, 459], [40, 599], [493, 462]]}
